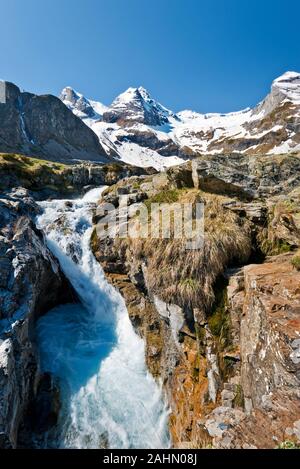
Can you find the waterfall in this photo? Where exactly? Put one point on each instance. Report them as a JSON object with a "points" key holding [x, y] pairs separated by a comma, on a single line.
{"points": [[108, 397]]}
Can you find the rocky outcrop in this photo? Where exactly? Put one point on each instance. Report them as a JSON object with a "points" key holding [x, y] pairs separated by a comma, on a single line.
{"points": [[285, 87], [257, 176], [270, 330], [222, 336], [266, 300], [31, 284], [43, 126], [46, 179]]}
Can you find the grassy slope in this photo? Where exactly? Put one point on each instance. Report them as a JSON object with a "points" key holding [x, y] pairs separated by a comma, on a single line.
{"points": [[31, 173]]}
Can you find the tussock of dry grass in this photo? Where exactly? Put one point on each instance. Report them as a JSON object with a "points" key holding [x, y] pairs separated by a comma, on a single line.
{"points": [[186, 277]]}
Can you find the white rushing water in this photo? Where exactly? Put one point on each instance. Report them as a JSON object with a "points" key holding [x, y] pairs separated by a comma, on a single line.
{"points": [[108, 397]]}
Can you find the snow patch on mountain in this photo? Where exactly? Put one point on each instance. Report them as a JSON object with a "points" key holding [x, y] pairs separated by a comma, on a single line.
{"points": [[114, 139], [289, 84], [145, 157]]}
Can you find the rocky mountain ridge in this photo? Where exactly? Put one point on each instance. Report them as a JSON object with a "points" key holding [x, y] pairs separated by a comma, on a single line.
{"points": [[139, 130]]}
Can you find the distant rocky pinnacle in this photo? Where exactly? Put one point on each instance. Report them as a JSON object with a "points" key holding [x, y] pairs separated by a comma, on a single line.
{"points": [[77, 101], [43, 126]]}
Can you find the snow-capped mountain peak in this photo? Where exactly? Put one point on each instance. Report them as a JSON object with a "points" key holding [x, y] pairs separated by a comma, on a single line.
{"points": [[289, 85], [69, 94], [285, 89], [136, 105], [73, 99], [138, 130], [149, 101], [81, 106], [126, 97]]}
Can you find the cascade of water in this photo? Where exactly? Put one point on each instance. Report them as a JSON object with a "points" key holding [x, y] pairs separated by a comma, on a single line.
{"points": [[109, 398]]}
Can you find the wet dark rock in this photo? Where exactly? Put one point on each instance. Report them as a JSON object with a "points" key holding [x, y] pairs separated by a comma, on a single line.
{"points": [[31, 284], [46, 405]]}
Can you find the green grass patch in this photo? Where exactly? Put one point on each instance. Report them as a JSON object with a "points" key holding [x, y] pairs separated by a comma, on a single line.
{"points": [[287, 444], [26, 163], [218, 317], [169, 196], [295, 261], [32, 173], [273, 248], [239, 397]]}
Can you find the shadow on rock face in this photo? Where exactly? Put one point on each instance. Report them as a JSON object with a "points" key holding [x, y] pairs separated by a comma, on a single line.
{"points": [[44, 410]]}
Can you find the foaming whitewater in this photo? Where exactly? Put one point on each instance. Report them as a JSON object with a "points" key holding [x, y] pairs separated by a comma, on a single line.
{"points": [[108, 397]]}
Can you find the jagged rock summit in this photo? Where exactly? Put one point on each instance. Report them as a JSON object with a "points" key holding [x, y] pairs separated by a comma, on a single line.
{"points": [[136, 105]]}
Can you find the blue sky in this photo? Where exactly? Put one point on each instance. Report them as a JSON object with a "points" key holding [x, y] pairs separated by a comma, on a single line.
{"points": [[209, 56]]}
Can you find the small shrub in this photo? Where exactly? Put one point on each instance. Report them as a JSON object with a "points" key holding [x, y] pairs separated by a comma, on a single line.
{"points": [[274, 247], [287, 444], [296, 262]]}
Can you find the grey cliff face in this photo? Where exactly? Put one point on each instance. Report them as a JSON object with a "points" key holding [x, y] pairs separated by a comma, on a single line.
{"points": [[43, 126], [31, 283], [260, 176]]}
